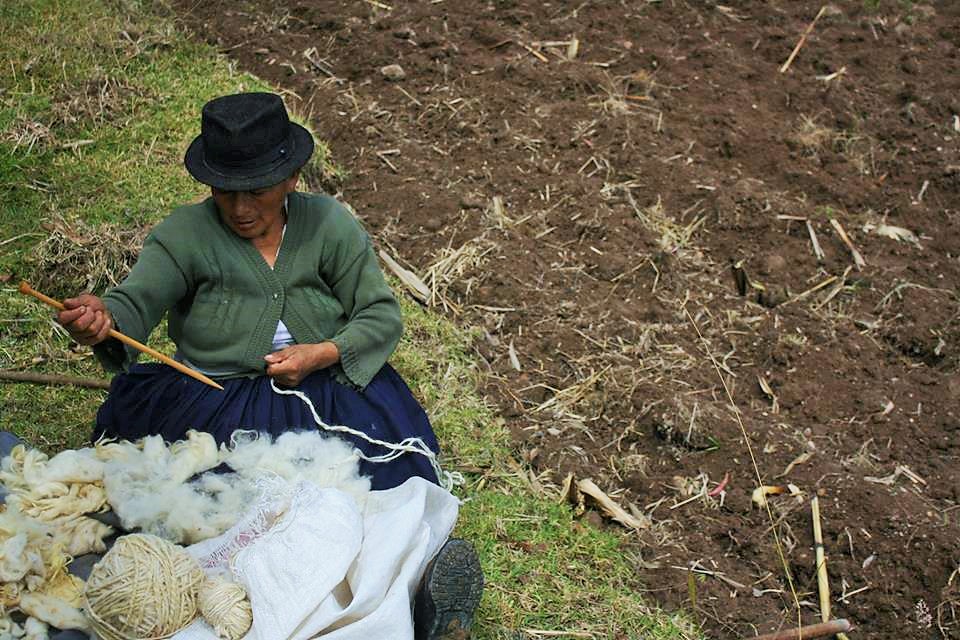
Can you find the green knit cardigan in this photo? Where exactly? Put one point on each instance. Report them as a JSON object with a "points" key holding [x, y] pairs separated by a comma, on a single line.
{"points": [[224, 301]]}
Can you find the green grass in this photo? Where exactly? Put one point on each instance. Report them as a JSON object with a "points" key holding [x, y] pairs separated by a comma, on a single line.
{"points": [[98, 100]]}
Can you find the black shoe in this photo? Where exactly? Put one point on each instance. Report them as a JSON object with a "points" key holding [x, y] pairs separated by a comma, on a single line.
{"points": [[449, 594]]}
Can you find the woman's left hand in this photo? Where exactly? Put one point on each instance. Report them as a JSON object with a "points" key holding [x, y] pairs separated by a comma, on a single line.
{"points": [[291, 365]]}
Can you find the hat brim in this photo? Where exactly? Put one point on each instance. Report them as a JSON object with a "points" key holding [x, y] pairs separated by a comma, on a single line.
{"points": [[302, 149]]}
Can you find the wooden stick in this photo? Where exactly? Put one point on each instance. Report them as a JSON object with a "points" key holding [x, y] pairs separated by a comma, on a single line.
{"points": [[46, 378], [26, 289], [857, 258], [802, 41], [811, 631]]}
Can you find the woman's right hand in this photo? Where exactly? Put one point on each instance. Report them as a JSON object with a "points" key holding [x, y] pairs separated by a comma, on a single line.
{"points": [[86, 318]]}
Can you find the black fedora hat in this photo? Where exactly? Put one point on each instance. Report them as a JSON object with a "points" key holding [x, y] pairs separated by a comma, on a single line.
{"points": [[247, 142]]}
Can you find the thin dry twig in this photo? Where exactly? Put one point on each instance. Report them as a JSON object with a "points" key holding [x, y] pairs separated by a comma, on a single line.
{"points": [[383, 157], [817, 251], [841, 283], [857, 258], [695, 567], [314, 58], [803, 40], [823, 584], [539, 56], [811, 290]]}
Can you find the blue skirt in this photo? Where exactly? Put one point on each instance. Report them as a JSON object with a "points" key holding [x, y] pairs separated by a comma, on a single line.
{"points": [[154, 399]]}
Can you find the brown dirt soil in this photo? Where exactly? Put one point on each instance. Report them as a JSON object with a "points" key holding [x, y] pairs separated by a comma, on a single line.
{"points": [[577, 205]]}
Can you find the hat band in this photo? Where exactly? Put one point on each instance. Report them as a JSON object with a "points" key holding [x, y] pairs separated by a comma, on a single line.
{"points": [[263, 164]]}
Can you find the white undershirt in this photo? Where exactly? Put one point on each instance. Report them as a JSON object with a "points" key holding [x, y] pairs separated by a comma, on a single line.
{"points": [[281, 337]]}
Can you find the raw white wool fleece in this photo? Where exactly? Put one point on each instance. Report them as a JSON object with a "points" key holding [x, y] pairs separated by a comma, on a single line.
{"points": [[58, 492], [149, 484]]}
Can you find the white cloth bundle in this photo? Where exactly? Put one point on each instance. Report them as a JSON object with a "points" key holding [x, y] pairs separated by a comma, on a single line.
{"points": [[329, 566]]}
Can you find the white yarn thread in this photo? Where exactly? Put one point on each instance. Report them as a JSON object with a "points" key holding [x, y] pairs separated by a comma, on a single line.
{"points": [[448, 480]]}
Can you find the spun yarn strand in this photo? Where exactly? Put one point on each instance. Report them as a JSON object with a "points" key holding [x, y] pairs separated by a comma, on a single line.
{"points": [[447, 479]]}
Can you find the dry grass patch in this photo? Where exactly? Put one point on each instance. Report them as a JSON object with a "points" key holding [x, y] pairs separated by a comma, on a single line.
{"points": [[813, 138], [76, 256]]}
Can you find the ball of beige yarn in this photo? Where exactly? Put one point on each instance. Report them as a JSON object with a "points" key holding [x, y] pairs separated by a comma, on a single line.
{"points": [[144, 587], [224, 605]]}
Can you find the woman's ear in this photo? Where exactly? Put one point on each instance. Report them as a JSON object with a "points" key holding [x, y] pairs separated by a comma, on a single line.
{"points": [[292, 181]]}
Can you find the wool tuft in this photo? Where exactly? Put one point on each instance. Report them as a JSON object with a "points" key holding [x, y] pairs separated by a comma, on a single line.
{"points": [[171, 491]]}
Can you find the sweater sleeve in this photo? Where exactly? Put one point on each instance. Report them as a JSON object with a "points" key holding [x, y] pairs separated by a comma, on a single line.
{"points": [[137, 304], [374, 324]]}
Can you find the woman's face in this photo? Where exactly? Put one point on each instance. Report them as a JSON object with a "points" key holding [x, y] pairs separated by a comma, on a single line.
{"points": [[254, 214]]}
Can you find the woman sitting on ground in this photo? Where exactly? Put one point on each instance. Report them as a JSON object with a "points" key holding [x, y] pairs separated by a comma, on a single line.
{"points": [[265, 285]]}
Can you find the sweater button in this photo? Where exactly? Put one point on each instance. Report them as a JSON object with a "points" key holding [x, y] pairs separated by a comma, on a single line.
{"points": [[276, 295]]}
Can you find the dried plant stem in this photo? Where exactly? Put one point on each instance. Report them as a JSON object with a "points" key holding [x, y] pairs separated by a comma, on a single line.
{"points": [[816, 243], [841, 283], [802, 41], [813, 289], [834, 627], [857, 258], [46, 378], [823, 584], [539, 56], [418, 289]]}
